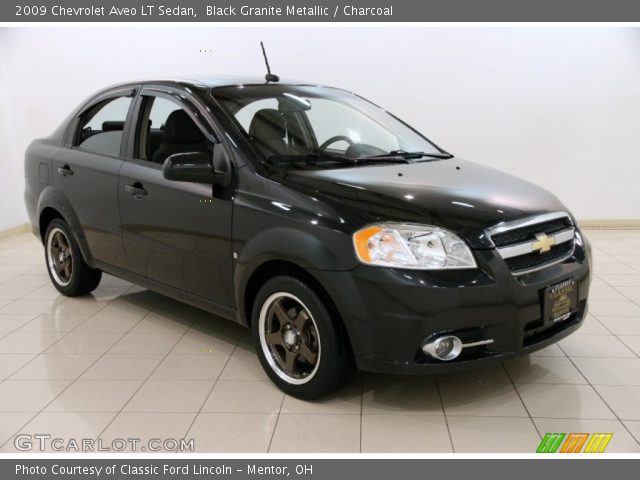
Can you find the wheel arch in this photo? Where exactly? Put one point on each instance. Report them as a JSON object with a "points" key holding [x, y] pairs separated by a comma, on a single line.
{"points": [[280, 267], [53, 204]]}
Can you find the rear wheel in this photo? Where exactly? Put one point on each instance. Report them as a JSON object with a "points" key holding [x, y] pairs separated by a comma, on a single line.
{"points": [[67, 269], [300, 343]]}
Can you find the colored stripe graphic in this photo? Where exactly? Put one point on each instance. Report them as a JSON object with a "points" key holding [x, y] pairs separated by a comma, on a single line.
{"points": [[598, 442], [550, 443], [574, 442]]}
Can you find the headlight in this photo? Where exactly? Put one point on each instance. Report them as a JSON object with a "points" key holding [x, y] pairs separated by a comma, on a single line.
{"points": [[420, 247]]}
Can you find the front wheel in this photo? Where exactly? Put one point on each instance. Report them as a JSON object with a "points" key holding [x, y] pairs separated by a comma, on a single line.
{"points": [[301, 345], [68, 271]]}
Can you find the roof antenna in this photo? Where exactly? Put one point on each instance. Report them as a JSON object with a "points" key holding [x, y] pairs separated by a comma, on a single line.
{"points": [[269, 77]]}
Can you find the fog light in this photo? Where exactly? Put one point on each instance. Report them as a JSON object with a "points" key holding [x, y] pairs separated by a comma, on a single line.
{"points": [[444, 348]]}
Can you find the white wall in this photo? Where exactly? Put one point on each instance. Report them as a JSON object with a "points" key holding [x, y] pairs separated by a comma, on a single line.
{"points": [[559, 106], [12, 211]]}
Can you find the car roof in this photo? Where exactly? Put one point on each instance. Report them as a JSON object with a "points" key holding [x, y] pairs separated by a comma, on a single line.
{"points": [[215, 81]]}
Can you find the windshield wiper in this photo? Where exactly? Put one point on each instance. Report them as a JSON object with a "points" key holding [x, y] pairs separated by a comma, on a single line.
{"points": [[321, 157], [410, 155]]}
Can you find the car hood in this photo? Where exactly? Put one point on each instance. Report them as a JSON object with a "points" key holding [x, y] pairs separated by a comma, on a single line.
{"points": [[457, 194]]}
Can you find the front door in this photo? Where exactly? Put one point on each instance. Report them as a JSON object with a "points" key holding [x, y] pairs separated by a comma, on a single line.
{"points": [[175, 233]]}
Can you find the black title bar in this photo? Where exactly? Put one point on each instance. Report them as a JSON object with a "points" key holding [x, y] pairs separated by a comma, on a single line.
{"points": [[319, 11]]}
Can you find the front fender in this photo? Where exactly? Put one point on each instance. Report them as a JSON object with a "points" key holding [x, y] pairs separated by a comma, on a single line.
{"points": [[288, 244]]}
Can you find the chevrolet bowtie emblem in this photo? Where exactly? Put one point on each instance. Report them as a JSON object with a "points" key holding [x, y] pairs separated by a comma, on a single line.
{"points": [[543, 243]]}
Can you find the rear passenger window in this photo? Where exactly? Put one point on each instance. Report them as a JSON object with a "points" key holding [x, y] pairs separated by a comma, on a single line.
{"points": [[102, 126]]}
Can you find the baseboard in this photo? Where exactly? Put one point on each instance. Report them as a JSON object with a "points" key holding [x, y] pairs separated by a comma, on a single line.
{"points": [[7, 232], [613, 224]]}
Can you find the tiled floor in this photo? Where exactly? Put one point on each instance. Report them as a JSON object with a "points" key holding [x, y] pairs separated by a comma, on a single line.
{"points": [[129, 363]]}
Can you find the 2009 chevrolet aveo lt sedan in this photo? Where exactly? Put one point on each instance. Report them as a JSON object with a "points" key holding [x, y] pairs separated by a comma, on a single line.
{"points": [[339, 234]]}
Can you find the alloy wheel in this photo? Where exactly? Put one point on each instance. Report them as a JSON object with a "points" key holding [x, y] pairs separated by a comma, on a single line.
{"points": [[289, 338], [59, 258]]}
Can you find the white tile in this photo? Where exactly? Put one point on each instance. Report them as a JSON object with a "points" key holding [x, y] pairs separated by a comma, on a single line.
{"points": [[563, 401], [632, 293], [634, 428], [53, 323], [243, 366], [326, 433], [486, 374], [623, 400], [158, 343], [27, 307], [170, 396], [95, 396], [614, 309], [621, 325], [595, 346], [606, 293], [244, 396], [536, 369], [614, 269], [9, 323], [405, 434], [631, 341], [84, 342], [481, 400], [54, 366], [610, 371], [401, 397], [493, 434], [233, 432], [552, 350], [197, 340], [28, 395], [621, 280], [27, 342], [115, 317], [77, 306], [11, 362], [200, 366], [591, 326], [153, 323], [123, 367]]}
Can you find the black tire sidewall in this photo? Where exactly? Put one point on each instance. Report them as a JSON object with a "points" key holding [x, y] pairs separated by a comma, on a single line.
{"points": [[334, 367]]}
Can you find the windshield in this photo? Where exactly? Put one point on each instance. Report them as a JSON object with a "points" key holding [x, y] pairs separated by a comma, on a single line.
{"points": [[289, 124]]}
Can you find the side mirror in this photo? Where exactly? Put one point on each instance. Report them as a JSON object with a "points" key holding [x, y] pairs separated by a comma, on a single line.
{"points": [[194, 167]]}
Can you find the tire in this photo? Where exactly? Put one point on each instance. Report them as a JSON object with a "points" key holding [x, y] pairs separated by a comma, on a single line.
{"points": [[68, 271], [291, 326]]}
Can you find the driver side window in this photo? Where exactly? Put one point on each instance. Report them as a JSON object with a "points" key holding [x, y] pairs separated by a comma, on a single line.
{"points": [[165, 128]]}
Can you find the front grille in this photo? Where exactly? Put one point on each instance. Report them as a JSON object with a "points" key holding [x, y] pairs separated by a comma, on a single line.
{"points": [[529, 232], [534, 259], [520, 242]]}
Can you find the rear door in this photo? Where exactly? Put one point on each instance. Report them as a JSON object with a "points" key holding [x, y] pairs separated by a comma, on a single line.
{"points": [[86, 171], [176, 233]]}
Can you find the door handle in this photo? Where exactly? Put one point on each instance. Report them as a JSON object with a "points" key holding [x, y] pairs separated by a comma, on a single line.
{"points": [[137, 190], [65, 171]]}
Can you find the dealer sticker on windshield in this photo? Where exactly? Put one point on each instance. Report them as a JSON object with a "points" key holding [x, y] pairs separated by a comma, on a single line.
{"points": [[561, 300]]}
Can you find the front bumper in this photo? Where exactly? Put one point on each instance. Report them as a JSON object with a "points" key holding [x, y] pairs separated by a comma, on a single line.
{"points": [[390, 313]]}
